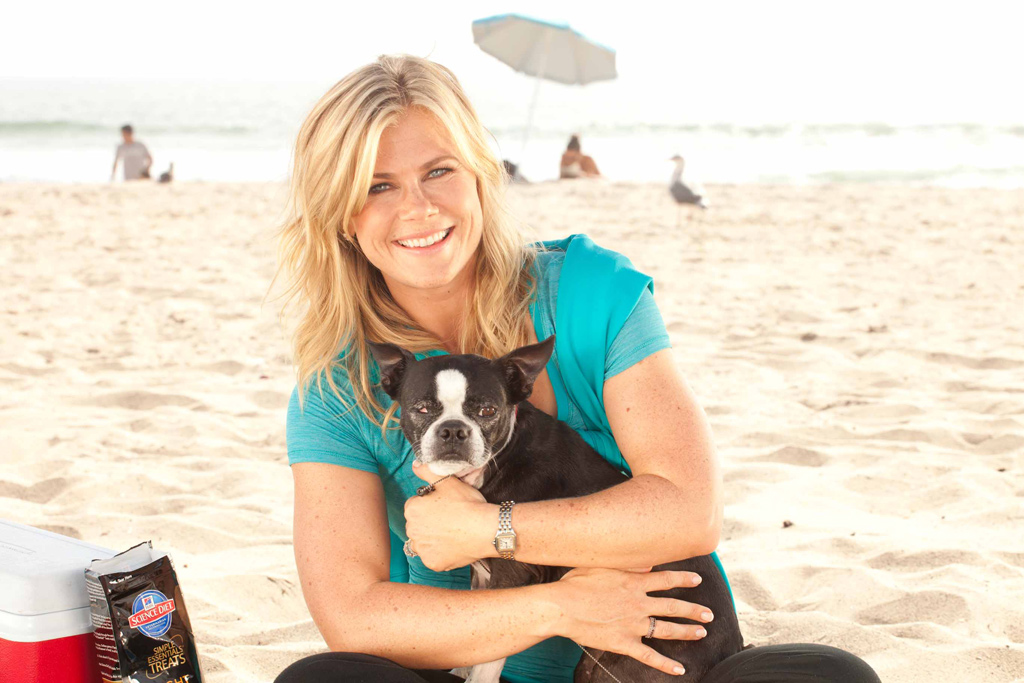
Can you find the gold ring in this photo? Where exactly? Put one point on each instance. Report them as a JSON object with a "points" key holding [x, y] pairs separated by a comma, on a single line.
{"points": [[650, 631]]}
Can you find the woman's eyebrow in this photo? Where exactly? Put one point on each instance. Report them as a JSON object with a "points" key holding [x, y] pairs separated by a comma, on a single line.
{"points": [[423, 167]]}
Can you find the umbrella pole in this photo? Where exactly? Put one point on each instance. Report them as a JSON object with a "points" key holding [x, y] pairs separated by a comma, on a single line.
{"points": [[536, 89]]}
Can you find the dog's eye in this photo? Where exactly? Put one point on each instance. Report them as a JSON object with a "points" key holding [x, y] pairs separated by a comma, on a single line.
{"points": [[422, 408], [487, 411]]}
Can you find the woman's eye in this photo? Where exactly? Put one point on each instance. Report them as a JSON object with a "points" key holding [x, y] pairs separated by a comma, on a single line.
{"points": [[380, 187], [487, 411]]}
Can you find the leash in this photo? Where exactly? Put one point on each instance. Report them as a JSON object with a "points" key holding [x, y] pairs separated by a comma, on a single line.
{"points": [[599, 663], [429, 488]]}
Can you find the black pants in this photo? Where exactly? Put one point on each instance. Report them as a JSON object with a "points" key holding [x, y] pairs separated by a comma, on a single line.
{"points": [[767, 664]]}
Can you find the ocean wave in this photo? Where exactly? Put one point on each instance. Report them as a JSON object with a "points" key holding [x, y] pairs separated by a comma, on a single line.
{"points": [[50, 127], [869, 129], [939, 176]]}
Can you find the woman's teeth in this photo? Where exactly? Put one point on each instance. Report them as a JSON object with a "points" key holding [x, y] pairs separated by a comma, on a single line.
{"points": [[426, 241]]}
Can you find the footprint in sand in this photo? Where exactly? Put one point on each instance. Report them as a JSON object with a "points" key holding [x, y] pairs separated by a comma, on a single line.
{"points": [[750, 590], [794, 455], [974, 363], [925, 560], [1015, 559], [270, 400], [226, 367], [760, 474], [142, 400], [42, 492], [25, 370], [994, 445], [938, 607], [876, 486]]}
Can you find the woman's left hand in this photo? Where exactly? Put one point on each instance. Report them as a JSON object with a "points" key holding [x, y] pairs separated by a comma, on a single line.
{"points": [[451, 526]]}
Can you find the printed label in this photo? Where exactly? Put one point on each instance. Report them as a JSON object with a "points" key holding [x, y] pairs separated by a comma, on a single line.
{"points": [[151, 613]]}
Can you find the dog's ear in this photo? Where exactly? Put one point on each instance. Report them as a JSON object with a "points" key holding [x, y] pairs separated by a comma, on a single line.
{"points": [[393, 361], [522, 366]]}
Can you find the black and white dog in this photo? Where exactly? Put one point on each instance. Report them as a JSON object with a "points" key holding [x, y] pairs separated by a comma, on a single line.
{"points": [[468, 416]]}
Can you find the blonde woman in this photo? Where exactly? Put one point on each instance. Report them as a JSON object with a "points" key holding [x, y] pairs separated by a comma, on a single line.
{"points": [[398, 233]]}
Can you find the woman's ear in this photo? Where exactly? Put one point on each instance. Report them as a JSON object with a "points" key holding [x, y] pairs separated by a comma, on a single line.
{"points": [[393, 362], [521, 367]]}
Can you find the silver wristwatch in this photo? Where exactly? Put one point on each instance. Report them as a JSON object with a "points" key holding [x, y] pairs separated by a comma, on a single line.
{"points": [[505, 539]]}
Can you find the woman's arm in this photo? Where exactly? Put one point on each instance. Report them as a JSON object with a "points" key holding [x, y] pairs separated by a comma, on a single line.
{"points": [[342, 552], [670, 510], [672, 507]]}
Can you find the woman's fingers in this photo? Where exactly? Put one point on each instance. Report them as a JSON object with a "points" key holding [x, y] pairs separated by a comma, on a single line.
{"points": [[668, 607], [669, 630], [666, 580], [653, 658]]}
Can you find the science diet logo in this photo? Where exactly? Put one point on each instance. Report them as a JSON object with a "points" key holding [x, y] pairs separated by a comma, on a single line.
{"points": [[151, 613]]}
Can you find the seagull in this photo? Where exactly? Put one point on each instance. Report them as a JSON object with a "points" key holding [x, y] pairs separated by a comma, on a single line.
{"points": [[680, 192], [168, 175]]}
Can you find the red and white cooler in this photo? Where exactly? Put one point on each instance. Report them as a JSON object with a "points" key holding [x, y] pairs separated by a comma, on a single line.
{"points": [[45, 624]]}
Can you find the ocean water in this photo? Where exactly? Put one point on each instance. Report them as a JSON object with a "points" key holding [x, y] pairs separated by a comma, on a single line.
{"points": [[66, 131]]}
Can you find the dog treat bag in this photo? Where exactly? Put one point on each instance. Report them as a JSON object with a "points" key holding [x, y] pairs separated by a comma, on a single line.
{"points": [[143, 634]]}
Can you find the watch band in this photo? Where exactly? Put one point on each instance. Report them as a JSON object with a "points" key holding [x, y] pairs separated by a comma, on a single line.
{"points": [[505, 538]]}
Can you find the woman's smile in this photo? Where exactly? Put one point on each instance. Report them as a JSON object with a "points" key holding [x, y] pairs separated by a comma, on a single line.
{"points": [[427, 244]]}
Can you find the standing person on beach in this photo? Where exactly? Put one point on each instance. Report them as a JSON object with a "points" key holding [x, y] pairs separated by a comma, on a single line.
{"points": [[135, 156], [399, 233]]}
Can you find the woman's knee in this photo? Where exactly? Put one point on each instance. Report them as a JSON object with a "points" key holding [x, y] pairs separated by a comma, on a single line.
{"points": [[841, 666], [837, 666], [793, 661], [342, 667]]}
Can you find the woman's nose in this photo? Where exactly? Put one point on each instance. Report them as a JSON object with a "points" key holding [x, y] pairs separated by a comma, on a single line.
{"points": [[416, 204]]}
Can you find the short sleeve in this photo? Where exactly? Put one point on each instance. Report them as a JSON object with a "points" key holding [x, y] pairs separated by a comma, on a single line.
{"points": [[325, 431], [642, 334]]}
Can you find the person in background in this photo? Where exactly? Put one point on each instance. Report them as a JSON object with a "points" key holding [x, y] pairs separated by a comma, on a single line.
{"points": [[576, 164], [135, 156], [514, 176]]}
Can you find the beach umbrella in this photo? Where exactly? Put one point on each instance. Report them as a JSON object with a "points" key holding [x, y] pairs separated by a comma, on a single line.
{"points": [[545, 50]]}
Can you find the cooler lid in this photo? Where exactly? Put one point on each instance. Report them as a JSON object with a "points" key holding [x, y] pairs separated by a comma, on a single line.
{"points": [[43, 572]]}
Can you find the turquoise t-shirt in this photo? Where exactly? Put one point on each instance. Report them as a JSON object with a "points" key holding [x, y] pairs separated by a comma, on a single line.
{"points": [[607, 321]]}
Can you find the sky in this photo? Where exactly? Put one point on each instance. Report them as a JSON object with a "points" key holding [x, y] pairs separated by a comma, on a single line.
{"points": [[823, 61]]}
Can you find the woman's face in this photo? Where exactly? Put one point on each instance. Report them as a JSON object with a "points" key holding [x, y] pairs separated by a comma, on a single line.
{"points": [[422, 221]]}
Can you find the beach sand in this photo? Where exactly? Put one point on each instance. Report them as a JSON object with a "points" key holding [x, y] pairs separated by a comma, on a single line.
{"points": [[857, 348]]}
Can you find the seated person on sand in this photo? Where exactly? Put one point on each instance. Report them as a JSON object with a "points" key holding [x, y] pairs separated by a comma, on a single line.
{"points": [[575, 164]]}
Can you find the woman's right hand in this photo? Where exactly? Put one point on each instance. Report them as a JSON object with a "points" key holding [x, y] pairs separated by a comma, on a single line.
{"points": [[609, 609]]}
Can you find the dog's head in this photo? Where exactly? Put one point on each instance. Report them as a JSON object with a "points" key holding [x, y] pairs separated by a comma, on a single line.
{"points": [[458, 411]]}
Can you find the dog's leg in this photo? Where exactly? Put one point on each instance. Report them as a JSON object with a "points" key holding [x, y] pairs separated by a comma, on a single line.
{"points": [[481, 673], [487, 673]]}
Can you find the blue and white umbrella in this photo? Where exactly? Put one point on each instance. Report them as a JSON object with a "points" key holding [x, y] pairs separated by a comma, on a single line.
{"points": [[545, 50]]}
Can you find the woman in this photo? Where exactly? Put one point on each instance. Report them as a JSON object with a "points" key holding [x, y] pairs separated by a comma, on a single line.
{"points": [[399, 234], [576, 164]]}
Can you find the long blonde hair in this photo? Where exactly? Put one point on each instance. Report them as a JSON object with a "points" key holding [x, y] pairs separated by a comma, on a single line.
{"points": [[343, 297]]}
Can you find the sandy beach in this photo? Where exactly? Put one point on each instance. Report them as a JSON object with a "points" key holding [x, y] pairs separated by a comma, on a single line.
{"points": [[857, 348]]}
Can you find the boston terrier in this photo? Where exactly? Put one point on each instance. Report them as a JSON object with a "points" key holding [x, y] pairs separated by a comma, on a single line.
{"points": [[468, 416]]}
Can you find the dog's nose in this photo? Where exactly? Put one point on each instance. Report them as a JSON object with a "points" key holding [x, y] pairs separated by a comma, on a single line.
{"points": [[452, 431]]}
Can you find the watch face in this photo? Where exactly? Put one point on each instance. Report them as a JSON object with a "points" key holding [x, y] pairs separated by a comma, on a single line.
{"points": [[506, 543]]}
